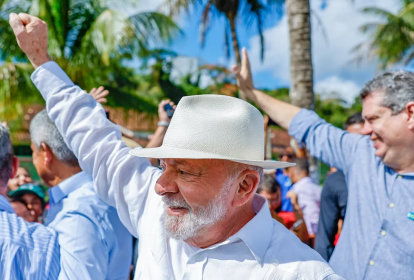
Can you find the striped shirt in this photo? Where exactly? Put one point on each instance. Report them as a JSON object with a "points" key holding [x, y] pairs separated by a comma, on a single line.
{"points": [[27, 250]]}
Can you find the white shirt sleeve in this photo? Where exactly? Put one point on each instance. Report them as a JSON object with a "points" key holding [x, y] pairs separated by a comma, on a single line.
{"points": [[120, 179]]}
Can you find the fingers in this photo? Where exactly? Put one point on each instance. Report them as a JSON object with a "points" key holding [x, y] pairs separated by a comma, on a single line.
{"points": [[236, 70], [92, 92], [245, 60], [26, 18], [16, 23]]}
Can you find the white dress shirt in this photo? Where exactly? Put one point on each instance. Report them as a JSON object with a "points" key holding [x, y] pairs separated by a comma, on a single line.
{"points": [[262, 249]]}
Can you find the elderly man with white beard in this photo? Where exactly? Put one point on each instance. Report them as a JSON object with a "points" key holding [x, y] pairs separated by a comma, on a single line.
{"points": [[204, 220]]}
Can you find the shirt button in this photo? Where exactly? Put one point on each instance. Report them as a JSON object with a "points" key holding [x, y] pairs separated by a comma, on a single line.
{"points": [[371, 262], [383, 233], [391, 205]]}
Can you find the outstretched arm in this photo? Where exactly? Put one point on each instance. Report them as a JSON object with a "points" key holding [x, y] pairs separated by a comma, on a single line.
{"points": [[324, 141], [120, 180]]}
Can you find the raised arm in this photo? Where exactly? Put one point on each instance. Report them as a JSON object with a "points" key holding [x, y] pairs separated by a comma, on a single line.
{"points": [[324, 141], [279, 111], [120, 180]]}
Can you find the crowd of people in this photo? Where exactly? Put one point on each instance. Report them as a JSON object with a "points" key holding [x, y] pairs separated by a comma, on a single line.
{"points": [[214, 208]]}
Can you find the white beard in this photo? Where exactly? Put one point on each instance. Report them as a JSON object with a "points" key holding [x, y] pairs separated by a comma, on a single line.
{"points": [[193, 223]]}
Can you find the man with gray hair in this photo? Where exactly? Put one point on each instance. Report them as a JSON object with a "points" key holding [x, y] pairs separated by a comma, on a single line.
{"points": [[204, 220], [27, 250], [94, 244], [377, 239]]}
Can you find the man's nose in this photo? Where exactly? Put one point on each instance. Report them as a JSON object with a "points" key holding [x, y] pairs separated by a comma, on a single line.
{"points": [[166, 185]]}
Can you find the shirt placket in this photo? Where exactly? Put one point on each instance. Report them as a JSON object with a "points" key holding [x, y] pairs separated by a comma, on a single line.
{"points": [[382, 234]]}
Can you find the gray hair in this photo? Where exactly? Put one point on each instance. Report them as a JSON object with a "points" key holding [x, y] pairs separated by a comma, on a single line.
{"points": [[238, 167], [397, 88], [43, 130], [6, 156]]}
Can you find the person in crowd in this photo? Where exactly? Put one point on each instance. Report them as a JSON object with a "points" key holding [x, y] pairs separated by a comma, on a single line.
{"points": [[27, 250], [204, 219], [20, 209], [334, 199], [294, 221], [22, 177], [33, 197], [376, 241], [94, 244], [284, 181], [309, 194]]}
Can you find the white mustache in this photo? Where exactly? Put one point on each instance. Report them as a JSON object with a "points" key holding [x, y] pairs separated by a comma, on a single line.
{"points": [[175, 202]]}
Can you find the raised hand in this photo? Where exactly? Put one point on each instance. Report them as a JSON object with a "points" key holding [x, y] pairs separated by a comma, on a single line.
{"points": [[162, 114], [99, 94], [31, 35], [244, 76]]}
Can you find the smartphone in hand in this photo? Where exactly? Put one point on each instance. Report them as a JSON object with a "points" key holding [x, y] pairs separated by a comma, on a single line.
{"points": [[169, 109]]}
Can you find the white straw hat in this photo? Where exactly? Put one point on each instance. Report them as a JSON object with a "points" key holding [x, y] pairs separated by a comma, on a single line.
{"points": [[214, 127]]}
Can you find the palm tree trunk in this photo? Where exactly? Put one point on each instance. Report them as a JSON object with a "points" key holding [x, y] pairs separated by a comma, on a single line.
{"points": [[301, 70], [235, 45]]}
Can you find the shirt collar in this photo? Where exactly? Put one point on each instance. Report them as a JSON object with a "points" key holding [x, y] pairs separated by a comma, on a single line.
{"points": [[257, 233], [5, 205], [64, 188]]}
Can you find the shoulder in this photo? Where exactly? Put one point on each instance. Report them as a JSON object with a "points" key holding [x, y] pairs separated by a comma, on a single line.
{"points": [[85, 201], [288, 255], [30, 236]]}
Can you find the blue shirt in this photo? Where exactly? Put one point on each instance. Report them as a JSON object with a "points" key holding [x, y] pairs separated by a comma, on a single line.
{"points": [[93, 242], [27, 250], [377, 238], [285, 186]]}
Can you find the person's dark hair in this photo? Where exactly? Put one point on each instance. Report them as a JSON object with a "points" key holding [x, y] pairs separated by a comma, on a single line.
{"points": [[6, 156], [16, 199], [354, 119], [397, 88], [302, 164], [269, 184]]}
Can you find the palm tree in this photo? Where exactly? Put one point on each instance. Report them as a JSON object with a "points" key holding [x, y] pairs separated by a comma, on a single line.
{"points": [[88, 38], [301, 69], [249, 10], [392, 39]]}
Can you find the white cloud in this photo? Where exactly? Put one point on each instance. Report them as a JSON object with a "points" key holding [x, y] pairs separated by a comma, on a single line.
{"points": [[332, 56], [335, 86]]}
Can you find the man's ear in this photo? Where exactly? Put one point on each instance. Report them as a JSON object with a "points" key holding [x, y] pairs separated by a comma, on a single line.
{"points": [[248, 183], [15, 166], [48, 155], [409, 108]]}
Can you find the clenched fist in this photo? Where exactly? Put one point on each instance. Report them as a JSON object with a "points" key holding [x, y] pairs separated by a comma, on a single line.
{"points": [[31, 35]]}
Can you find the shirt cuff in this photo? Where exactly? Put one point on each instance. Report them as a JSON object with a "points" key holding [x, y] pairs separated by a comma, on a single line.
{"points": [[49, 79], [301, 123]]}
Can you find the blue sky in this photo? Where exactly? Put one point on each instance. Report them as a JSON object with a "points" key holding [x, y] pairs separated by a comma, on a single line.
{"points": [[333, 69]]}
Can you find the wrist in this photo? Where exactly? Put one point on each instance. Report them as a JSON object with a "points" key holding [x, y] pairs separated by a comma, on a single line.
{"points": [[163, 123], [38, 60]]}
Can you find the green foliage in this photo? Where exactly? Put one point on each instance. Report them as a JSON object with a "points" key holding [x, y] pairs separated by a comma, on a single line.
{"points": [[249, 11], [90, 40], [391, 39]]}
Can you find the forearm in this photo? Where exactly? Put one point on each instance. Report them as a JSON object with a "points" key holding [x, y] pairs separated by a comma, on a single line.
{"points": [[156, 141], [157, 138], [280, 112]]}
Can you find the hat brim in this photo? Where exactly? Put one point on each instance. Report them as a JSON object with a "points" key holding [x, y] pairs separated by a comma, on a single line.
{"points": [[172, 152]]}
